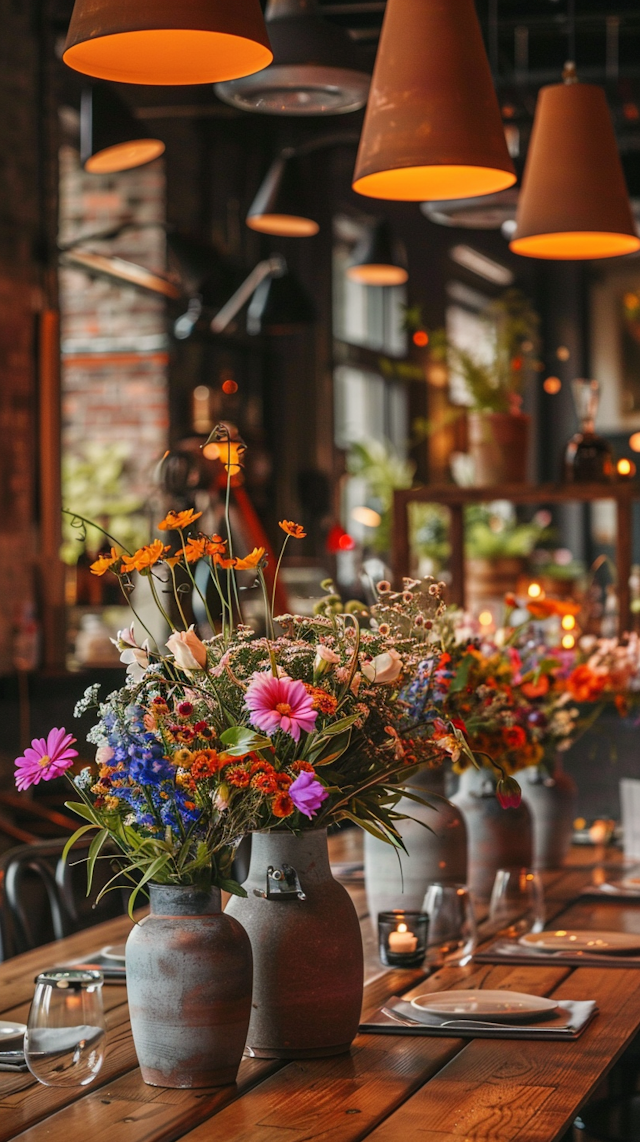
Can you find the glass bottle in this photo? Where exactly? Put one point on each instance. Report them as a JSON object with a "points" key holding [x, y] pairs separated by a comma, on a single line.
{"points": [[588, 458]]}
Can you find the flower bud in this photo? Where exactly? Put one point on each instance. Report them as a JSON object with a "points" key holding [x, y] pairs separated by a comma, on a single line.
{"points": [[509, 793]]}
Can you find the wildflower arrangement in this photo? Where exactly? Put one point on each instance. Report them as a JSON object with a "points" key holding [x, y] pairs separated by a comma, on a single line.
{"points": [[210, 740]]}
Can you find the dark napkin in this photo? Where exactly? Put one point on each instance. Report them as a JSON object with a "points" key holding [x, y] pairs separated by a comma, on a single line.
{"points": [[568, 1022], [112, 970], [503, 951]]}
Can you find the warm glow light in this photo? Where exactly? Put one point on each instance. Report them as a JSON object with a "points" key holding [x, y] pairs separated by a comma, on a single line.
{"points": [[562, 353], [576, 246], [568, 642], [626, 467], [552, 385], [283, 225], [228, 452], [568, 622], [124, 156], [366, 516], [634, 442], [378, 275], [402, 928], [485, 618], [534, 591], [420, 338], [168, 56], [421, 184]]}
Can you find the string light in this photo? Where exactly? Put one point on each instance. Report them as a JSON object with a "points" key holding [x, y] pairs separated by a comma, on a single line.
{"points": [[568, 642], [552, 385], [568, 622]]}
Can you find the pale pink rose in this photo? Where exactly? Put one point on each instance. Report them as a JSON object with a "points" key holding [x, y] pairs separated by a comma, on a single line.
{"points": [[104, 755], [188, 650], [356, 683], [327, 654], [385, 668]]}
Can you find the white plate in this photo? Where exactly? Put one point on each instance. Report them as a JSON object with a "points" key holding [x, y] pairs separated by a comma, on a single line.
{"points": [[11, 1035], [630, 882], [114, 952], [505, 1006], [570, 940]]}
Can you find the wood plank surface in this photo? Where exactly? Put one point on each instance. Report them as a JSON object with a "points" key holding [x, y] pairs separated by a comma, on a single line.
{"points": [[388, 1088]]}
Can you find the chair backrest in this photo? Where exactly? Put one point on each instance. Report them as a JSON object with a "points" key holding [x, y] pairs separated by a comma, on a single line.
{"points": [[43, 898]]}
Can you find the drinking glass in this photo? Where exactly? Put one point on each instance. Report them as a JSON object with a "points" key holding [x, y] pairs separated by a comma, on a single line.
{"points": [[517, 901], [452, 935], [64, 1040]]}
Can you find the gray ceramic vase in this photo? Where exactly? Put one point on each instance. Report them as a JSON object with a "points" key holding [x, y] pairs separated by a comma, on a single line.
{"points": [[552, 801], [307, 952], [436, 843], [498, 838], [189, 988]]}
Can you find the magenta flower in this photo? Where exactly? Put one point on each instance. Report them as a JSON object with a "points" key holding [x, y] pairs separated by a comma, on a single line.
{"points": [[45, 759], [280, 704], [307, 794]]}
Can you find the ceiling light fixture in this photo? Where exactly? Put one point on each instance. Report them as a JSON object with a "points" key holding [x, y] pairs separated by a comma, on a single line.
{"points": [[163, 42], [432, 129], [111, 139], [279, 206], [315, 69], [574, 203], [481, 265], [377, 261]]}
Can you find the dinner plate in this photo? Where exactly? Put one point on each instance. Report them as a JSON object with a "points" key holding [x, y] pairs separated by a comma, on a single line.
{"points": [[114, 952], [630, 882], [505, 1006], [570, 940], [11, 1035]]}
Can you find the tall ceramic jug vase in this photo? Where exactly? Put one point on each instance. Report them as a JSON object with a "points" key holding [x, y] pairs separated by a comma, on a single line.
{"points": [[307, 949], [552, 801], [498, 838], [189, 989], [436, 843]]}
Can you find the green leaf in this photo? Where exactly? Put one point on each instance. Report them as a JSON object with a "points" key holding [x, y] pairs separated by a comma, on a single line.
{"points": [[94, 851], [76, 837], [338, 727], [370, 828], [239, 740], [85, 811], [331, 750], [155, 867], [462, 674], [232, 887]]}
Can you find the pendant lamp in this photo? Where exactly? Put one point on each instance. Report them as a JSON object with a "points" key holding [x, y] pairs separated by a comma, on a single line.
{"points": [[315, 71], [110, 138], [432, 128], [376, 261], [279, 207], [574, 202], [167, 41]]}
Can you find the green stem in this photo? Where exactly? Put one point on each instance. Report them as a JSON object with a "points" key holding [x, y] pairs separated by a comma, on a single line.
{"points": [[90, 523], [135, 613], [175, 595], [158, 603], [195, 585], [267, 610], [277, 572]]}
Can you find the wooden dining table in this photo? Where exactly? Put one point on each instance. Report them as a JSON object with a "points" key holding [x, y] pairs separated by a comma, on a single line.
{"points": [[388, 1088]]}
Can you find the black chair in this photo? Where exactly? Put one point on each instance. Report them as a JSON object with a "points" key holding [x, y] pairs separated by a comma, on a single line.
{"points": [[43, 898]]}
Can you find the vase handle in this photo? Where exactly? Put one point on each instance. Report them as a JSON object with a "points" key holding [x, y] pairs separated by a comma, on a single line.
{"points": [[282, 884]]}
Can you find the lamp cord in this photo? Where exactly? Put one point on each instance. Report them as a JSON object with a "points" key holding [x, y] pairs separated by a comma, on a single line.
{"points": [[571, 30]]}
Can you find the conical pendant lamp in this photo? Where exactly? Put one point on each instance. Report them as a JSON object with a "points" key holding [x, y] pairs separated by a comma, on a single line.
{"points": [[376, 261], [110, 138], [574, 202], [167, 41], [432, 129], [279, 207]]}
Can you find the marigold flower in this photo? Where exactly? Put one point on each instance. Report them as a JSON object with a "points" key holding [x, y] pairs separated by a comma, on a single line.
{"points": [[295, 530], [584, 685], [514, 737], [145, 557], [194, 550], [236, 775], [104, 562], [302, 767], [323, 702], [536, 689], [177, 521], [251, 561], [282, 805], [283, 781], [206, 763], [183, 758], [264, 782]]}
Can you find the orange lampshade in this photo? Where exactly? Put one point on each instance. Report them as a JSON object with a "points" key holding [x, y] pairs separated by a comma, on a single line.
{"points": [[167, 41], [574, 203], [432, 129]]}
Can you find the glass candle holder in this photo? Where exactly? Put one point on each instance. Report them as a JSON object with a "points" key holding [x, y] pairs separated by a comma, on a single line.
{"points": [[403, 938], [64, 1040]]}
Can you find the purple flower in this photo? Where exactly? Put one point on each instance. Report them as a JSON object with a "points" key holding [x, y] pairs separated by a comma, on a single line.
{"points": [[45, 759], [280, 704], [307, 794]]}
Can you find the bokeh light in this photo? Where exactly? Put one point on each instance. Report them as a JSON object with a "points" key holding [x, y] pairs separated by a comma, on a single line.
{"points": [[534, 591], [552, 385]]}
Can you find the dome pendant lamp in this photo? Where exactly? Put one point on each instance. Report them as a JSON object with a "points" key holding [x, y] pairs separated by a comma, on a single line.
{"points": [[432, 128], [167, 41], [574, 202]]}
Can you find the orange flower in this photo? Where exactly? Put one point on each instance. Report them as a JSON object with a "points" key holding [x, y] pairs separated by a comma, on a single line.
{"points": [[323, 702], [194, 550], [224, 563], [544, 608], [514, 737], [264, 782], [215, 546], [302, 767], [283, 781], [237, 776], [177, 521], [584, 685], [536, 689], [282, 805], [296, 530], [173, 560], [251, 561], [104, 562], [145, 558], [206, 763]]}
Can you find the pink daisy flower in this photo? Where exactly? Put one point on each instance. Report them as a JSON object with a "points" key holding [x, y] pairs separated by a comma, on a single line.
{"points": [[280, 704], [45, 759]]}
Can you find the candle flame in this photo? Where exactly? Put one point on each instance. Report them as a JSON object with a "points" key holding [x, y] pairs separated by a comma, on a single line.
{"points": [[402, 928]]}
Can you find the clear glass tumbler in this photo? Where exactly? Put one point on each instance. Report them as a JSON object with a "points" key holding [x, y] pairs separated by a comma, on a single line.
{"points": [[452, 935], [65, 1036], [517, 902]]}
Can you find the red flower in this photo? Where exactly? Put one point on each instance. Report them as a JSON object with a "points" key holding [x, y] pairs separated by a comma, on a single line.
{"points": [[200, 727], [282, 805], [302, 767], [514, 737], [237, 776], [264, 782], [206, 763], [283, 781], [185, 709], [509, 793]]}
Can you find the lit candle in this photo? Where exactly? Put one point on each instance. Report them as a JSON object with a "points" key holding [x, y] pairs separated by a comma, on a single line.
{"points": [[402, 941]]}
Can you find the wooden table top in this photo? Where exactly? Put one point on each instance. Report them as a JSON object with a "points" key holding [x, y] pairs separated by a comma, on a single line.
{"points": [[387, 1088]]}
